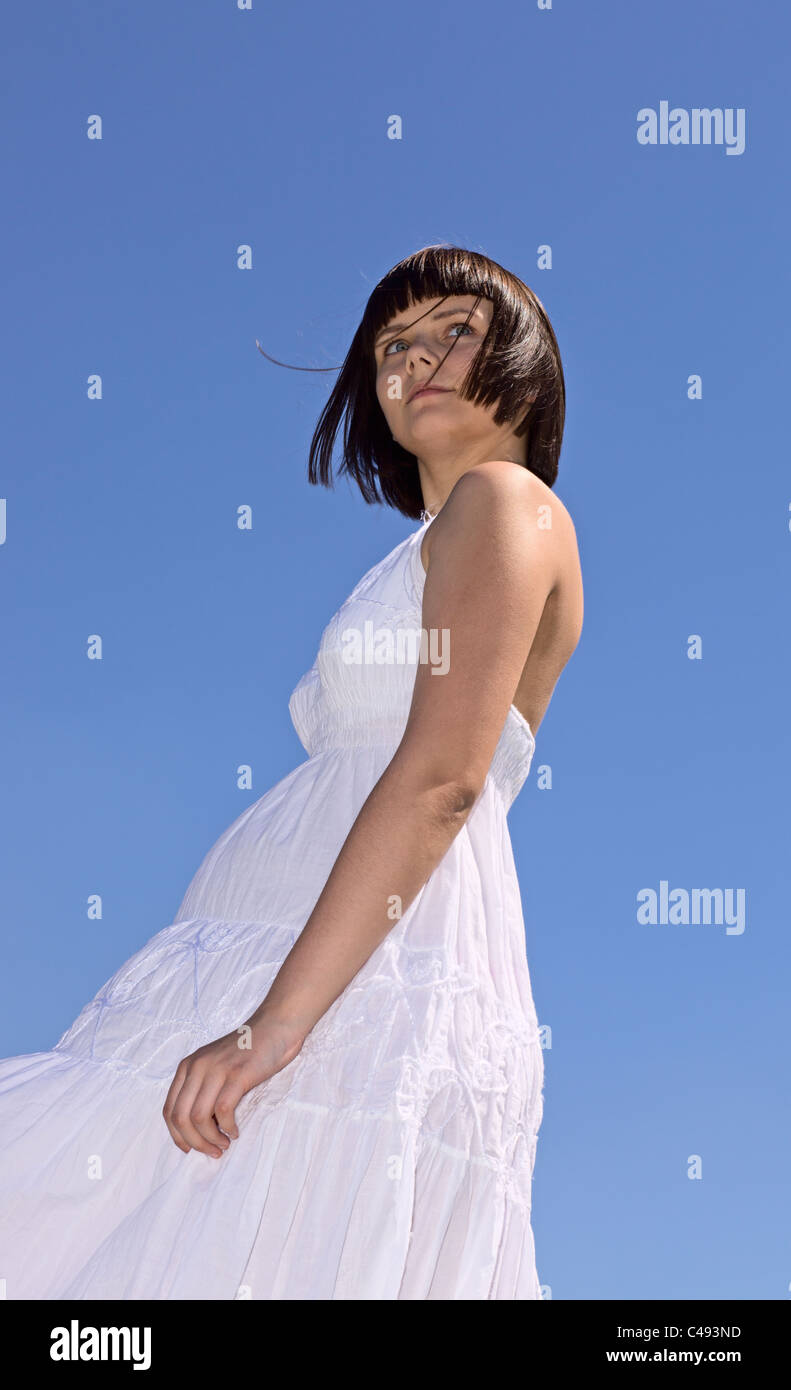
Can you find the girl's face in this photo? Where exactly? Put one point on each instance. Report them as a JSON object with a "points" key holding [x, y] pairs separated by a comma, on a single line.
{"points": [[407, 352]]}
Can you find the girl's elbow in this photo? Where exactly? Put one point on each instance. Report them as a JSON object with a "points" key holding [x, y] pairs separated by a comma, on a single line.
{"points": [[450, 790]]}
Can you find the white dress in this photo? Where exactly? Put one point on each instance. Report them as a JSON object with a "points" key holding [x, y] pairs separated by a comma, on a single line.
{"points": [[393, 1157]]}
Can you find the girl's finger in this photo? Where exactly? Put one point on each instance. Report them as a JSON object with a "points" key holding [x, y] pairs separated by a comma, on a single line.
{"points": [[225, 1107], [202, 1111], [175, 1086], [182, 1117], [178, 1139], [167, 1108]]}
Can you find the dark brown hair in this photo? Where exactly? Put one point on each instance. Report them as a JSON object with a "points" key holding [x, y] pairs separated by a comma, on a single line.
{"points": [[518, 365]]}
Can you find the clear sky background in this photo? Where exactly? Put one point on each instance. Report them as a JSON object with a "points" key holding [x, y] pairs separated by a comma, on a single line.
{"points": [[268, 127]]}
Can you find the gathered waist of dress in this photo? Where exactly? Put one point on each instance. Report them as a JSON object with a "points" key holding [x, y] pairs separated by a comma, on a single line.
{"points": [[351, 732], [346, 732]]}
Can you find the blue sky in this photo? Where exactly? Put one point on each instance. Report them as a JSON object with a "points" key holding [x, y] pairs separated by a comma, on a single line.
{"points": [[269, 127]]}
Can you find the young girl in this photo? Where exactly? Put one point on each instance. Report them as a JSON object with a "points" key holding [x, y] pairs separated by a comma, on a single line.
{"points": [[324, 1079]]}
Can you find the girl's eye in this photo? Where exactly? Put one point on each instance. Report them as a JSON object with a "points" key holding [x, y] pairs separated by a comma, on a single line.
{"points": [[399, 342]]}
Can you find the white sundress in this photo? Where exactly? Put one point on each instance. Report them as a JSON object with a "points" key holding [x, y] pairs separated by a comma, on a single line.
{"points": [[393, 1157]]}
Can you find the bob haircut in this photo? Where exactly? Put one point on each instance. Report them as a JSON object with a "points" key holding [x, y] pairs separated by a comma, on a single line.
{"points": [[517, 366]]}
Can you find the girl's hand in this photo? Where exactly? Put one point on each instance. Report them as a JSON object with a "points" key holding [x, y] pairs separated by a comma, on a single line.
{"points": [[209, 1084]]}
